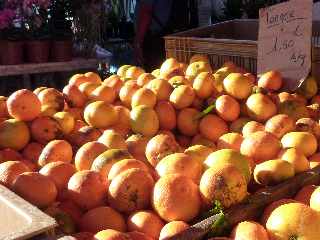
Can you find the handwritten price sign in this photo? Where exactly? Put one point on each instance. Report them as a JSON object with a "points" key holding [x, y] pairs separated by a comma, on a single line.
{"points": [[285, 32]]}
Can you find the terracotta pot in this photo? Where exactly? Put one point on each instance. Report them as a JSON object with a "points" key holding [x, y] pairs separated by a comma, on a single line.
{"points": [[11, 52], [38, 51], [61, 51]]}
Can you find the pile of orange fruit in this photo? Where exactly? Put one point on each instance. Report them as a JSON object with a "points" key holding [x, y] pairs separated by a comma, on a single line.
{"points": [[140, 156]]}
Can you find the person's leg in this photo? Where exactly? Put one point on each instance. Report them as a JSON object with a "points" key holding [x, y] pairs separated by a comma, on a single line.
{"points": [[154, 52]]}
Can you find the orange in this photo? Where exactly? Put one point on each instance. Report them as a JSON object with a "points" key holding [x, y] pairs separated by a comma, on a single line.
{"points": [[93, 77], [84, 135], [212, 127], [52, 98], [146, 222], [37, 189], [124, 165], [135, 235], [87, 88], [103, 93], [172, 73], [100, 114], [122, 126], [166, 115], [201, 140], [38, 90], [137, 144], [100, 218], [144, 96], [47, 110], [315, 199], [74, 97], [182, 96], [232, 191], [269, 209], [9, 154], [177, 81], [203, 85], [198, 152], [77, 125], [88, 189], [199, 57], [180, 163], [77, 79], [237, 85], [172, 228], [293, 109], [65, 120], [314, 160], [23, 105], [252, 127], [3, 107], [176, 198], [159, 147], [55, 151], [115, 82], [231, 141], [227, 108], [161, 88], [144, 120], [45, 129], [279, 125], [304, 195], [183, 140], [260, 146], [110, 234], [144, 79], [297, 215], [271, 80], [260, 107], [59, 172], [87, 153], [127, 91], [10, 170], [169, 64], [112, 140], [105, 160], [156, 72], [188, 121], [131, 190], [304, 141], [249, 231], [296, 158], [198, 103], [195, 68], [14, 134], [122, 70], [134, 72]]}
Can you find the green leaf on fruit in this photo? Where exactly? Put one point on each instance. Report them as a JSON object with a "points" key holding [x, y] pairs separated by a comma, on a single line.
{"points": [[206, 111]]}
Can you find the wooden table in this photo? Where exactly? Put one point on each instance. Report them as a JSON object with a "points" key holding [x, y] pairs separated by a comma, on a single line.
{"points": [[34, 68]]}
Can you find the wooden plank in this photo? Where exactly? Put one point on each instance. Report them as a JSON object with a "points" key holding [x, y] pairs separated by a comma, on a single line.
{"points": [[31, 68]]}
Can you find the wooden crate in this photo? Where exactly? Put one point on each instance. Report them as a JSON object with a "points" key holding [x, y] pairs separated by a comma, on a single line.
{"points": [[234, 40]]}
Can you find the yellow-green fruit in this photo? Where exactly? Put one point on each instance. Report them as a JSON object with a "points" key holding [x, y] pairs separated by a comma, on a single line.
{"points": [[100, 114], [224, 157], [225, 184], [14, 134], [293, 221], [237, 85], [297, 159], [309, 88], [144, 120], [273, 172], [199, 152], [293, 109], [65, 120], [122, 70], [197, 67], [112, 140], [105, 160], [304, 141]]}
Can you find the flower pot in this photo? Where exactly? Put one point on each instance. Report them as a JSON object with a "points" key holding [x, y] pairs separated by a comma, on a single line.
{"points": [[11, 52], [61, 51], [38, 51]]}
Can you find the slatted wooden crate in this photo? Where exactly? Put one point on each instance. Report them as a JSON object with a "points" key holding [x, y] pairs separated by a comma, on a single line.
{"points": [[234, 40]]}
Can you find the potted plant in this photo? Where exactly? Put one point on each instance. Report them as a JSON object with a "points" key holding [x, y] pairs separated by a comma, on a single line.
{"points": [[11, 35], [61, 13], [36, 14]]}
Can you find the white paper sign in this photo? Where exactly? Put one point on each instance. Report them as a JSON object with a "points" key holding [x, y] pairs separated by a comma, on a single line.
{"points": [[284, 44]]}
